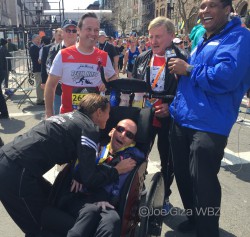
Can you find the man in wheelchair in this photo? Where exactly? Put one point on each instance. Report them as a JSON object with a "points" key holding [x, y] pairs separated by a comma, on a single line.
{"points": [[58, 140], [94, 210]]}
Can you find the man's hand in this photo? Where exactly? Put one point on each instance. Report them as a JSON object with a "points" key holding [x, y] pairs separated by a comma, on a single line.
{"points": [[75, 186], [101, 87], [162, 110], [125, 166], [177, 66], [104, 204], [117, 72], [42, 86]]}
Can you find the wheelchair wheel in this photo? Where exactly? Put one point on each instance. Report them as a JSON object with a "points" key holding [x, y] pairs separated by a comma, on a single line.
{"points": [[151, 218], [131, 203]]}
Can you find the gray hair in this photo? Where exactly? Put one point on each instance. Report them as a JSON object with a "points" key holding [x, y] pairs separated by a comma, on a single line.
{"points": [[162, 21]]}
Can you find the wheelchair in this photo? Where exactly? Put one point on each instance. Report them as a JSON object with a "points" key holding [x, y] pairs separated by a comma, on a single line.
{"points": [[56, 222]]}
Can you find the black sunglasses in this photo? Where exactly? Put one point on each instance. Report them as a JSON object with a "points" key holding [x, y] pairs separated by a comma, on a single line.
{"points": [[69, 31], [128, 134]]}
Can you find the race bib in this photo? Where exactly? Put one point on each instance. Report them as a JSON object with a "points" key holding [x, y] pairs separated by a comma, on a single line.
{"points": [[138, 100], [76, 98], [78, 93]]}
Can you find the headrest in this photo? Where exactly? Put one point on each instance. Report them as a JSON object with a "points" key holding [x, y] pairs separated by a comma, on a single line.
{"points": [[128, 85]]}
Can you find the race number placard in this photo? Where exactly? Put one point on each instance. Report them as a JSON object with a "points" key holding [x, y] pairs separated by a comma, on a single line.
{"points": [[79, 93]]}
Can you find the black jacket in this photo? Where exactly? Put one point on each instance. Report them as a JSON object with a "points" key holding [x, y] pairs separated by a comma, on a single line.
{"points": [[143, 60], [34, 54], [58, 140], [54, 49], [45, 54], [3, 62]]}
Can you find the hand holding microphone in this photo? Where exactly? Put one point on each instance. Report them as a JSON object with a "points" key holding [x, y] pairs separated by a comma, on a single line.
{"points": [[178, 66]]}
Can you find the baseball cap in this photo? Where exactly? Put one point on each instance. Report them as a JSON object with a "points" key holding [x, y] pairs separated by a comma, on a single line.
{"points": [[177, 41], [69, 22], [102, 33]]}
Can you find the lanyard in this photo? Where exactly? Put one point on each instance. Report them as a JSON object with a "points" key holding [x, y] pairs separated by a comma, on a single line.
{"points": [[158, 73], [103, 46], [105, 153]]}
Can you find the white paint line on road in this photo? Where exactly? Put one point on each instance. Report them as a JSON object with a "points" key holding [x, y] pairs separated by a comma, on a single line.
{"points": [[243, 121], [153, 166], [231, 158]]}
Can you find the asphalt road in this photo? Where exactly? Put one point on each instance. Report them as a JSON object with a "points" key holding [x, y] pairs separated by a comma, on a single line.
{"points": [[234, 174]]}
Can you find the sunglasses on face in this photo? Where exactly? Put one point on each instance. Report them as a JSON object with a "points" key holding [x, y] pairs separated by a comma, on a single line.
{"points": [[69, 31], [128, 134]]}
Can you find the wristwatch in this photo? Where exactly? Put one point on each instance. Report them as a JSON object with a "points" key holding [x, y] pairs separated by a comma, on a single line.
{"points": [[189, 69]]}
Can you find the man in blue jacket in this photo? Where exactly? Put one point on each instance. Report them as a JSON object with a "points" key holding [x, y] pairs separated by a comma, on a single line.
{"points": [[204, 110]]}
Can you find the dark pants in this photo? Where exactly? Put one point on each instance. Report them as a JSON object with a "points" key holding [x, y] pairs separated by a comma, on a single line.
{"points": [[165, 155], [92, 221], [248, 93], [197, 158], [23, 195], [6, 80], [3, 106], [120, 63]]}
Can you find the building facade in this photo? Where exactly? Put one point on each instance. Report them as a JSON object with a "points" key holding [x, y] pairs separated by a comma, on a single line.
{"points": [[135, 15], [127, 15]]}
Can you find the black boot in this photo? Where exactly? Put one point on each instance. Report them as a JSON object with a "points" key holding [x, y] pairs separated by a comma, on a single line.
{"points": [[3, 107]]}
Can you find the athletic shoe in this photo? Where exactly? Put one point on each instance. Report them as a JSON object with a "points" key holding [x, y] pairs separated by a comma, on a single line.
{"points": [[40, 103]]}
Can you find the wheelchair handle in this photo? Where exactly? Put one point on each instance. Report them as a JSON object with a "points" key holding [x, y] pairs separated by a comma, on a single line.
{"points": [[133, 85], [167, 97], [125, 85]]}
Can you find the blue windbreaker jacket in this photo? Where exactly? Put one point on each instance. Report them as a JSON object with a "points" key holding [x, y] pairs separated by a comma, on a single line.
{"points": [[209, 99]]}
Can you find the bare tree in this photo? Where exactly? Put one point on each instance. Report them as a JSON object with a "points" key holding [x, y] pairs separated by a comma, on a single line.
{"points": [[122, 15], [188, 11]]}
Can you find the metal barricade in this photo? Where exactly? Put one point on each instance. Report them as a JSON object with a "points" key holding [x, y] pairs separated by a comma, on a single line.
{"points": [[20, 77]]}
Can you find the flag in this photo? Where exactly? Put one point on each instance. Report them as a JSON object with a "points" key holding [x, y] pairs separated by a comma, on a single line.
{"points": [[182, 25]]}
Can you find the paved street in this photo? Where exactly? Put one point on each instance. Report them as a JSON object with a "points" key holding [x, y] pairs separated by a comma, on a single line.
{"points": [[234, 174]]}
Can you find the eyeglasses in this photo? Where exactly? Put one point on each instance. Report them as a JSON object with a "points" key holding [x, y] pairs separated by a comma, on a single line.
{"points": [[69, 31], [128, 134]]}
